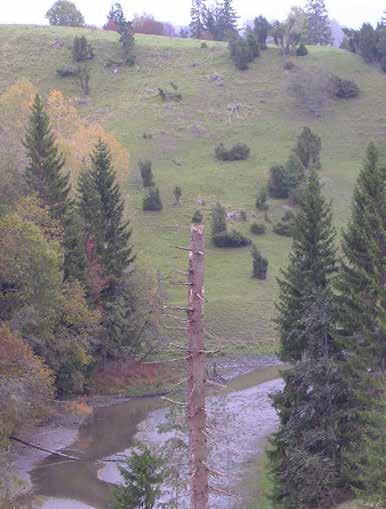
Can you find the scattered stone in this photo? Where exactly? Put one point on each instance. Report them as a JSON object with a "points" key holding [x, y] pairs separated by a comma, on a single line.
{"points": [[58, 44], [177, 162], [198, 129], [83, 100]]}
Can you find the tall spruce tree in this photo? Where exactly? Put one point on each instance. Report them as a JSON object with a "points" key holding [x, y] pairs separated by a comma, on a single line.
{"points": [[227, 20], [261, 28], [311, 267], [306, 452], [102, 209], [44, 173], [196, 24], [362, 321], [318, 23]]}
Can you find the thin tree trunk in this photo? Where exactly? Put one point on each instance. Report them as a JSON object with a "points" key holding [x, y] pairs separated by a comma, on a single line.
{"points": [[196, 373]]}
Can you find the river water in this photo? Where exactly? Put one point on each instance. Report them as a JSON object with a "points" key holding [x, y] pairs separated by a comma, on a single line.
{"points": [[241, 417]]}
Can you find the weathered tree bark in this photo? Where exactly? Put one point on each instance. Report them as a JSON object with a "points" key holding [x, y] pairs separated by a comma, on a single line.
{"points": [[196, 373]]}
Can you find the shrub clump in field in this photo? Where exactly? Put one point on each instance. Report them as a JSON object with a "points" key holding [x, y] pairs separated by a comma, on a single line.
{"points": [[168, 95], [258, 228], [153, 200], [289, 65], [238, 152], [81, 49], [301, 50], [197, 217], [344, 89], [261, 200], [146, 173], [259, 264], [230, 239], [177, 193], [66, 71], [220, 235], [286, 225]]}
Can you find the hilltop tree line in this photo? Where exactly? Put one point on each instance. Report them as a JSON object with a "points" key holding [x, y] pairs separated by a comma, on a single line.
{"points": [[368, 42], [331, 308], [217, 22]]}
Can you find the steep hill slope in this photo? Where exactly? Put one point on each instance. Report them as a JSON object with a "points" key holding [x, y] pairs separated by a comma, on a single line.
{"points": [[220, 104]]}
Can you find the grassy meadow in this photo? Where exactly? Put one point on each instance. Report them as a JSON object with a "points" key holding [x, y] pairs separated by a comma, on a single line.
{"points": [[220, 104]]}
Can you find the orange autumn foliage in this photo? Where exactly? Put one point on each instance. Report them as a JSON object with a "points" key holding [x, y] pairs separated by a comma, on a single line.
{"points": [[26, 384], [75, 136], [78, 138]]}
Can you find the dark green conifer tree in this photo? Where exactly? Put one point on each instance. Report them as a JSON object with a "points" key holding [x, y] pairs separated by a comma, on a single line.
{"points": [[362, 321], [368, 42], [311, 267], [196, 24], [44, 173], [318, 24], [306, 455], [308, 147], [227, 20], [261, 28], [102, 209], [219, 224]]}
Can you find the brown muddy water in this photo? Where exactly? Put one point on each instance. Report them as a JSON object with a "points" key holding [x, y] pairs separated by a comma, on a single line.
{"points": [[86, 484]]}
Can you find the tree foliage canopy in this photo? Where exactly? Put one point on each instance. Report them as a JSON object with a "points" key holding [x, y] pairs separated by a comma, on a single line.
{"points": [[65, 13]]}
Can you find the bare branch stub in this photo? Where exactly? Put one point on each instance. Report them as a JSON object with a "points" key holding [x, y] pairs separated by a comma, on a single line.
{"points": [[196, 373]]}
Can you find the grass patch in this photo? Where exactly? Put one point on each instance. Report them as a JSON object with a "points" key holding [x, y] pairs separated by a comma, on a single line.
{"points": [[220, 104]]}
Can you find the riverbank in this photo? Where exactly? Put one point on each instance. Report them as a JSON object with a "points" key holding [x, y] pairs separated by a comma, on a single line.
{"points": [[79, 437], [232, 453], [56, 433]]}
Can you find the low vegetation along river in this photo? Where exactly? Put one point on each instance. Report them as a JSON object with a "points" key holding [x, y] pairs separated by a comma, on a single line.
{"points": [[241, 417]]}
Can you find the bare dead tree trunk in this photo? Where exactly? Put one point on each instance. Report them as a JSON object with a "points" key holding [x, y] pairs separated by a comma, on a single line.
{"points": [[196, 374]]}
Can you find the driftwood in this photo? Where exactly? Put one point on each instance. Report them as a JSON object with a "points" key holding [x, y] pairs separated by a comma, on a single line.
{"points": [[60, 454]]}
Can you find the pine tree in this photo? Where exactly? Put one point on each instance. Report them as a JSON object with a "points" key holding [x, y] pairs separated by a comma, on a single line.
{"points": [[307, 148], [102, 209], [318, 23], [142, 478], [306, 457], [44, 173], [311, 267], [368, 43], [196, 24], [261, 28], [227, 20], [362, 320], [219, 224]]}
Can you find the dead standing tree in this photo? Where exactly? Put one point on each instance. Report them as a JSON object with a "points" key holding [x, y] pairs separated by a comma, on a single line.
{"points": [[196, 373]]}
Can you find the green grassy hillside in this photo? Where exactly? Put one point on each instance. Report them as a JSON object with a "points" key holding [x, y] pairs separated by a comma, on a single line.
{"points": [[240, 309]]}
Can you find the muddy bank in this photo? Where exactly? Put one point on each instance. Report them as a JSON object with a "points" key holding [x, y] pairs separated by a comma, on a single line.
{"points": [[111, 430], [55, 434], [239, 424]]}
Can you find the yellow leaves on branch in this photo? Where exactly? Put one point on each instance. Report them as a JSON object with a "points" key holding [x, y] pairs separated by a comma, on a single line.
{"points": [[76, 137], [26, 384], [15, 104], [82, 144]]}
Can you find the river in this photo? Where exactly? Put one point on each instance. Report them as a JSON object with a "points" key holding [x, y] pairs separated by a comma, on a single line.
{"points": [[241, 418]]}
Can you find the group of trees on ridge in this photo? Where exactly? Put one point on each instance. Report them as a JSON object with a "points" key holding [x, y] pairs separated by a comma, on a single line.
{"points": [[368, 42]]}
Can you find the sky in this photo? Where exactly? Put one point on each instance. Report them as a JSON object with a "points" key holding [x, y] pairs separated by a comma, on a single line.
{"points": [[348, 12]]}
